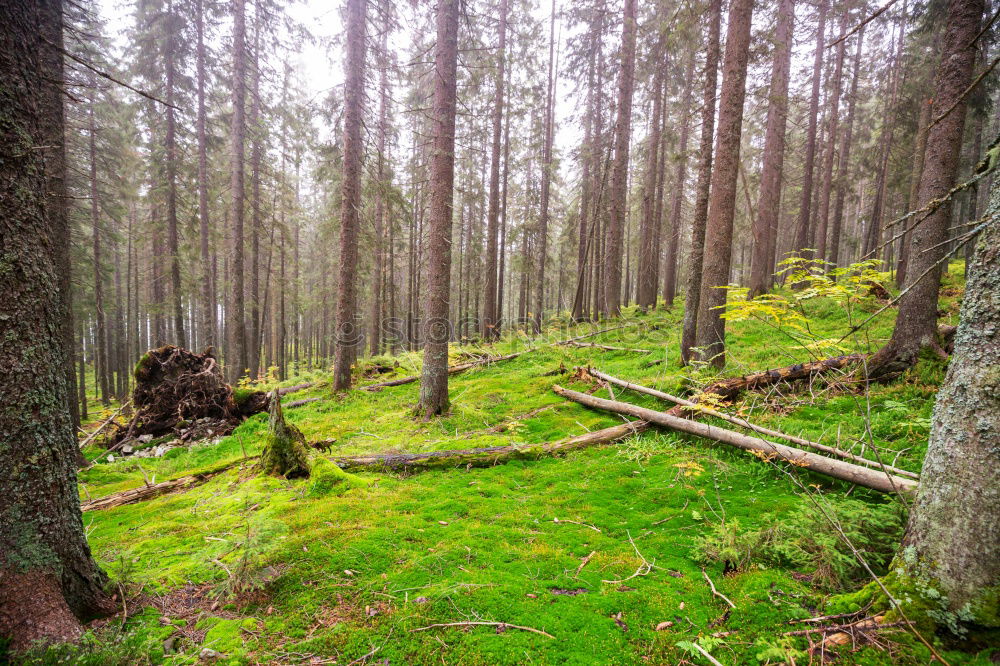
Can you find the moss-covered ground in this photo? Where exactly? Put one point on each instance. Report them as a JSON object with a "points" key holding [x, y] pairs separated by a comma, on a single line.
{"points": [[265, 570]]}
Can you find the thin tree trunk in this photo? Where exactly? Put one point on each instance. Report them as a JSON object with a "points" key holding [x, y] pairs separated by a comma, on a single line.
{"points": [[805, 209], [844, 163], [491, 313], [207, 324], [619, 175], [381, 188], [350, 206], [101, 345], [236, 354], [434, 377], [711, 336], [648, 253], [170, 145], [698, 222], [677, 198], [543, 218]]}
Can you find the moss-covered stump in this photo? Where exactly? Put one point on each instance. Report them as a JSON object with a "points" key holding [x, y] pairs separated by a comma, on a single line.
{"points": [[175, 387], [284, 452]]}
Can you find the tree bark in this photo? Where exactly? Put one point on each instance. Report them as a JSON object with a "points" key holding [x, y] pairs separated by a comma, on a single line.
{"points": [[543, 218], [953, 536], [711, 332], [170, 146], [648, 252], [619, 175], [698, 222], [350, 203], [207, 320], [833, 131], [916, 322], [436, 333], [381, 189], [765, 227], [236, 354], [48, 580]]}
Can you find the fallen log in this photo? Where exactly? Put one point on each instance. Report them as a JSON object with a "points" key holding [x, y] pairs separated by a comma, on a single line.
{"points": [[590, 335], [488, 456], [299, 403], [104, 425], [743, 423], [293, 389], [149, 491], [732, 387], [455, 369], [837, 469], [608, 347]]}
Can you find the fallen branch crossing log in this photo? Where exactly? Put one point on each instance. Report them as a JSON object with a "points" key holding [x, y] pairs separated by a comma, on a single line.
{"points": [[837, 469]]}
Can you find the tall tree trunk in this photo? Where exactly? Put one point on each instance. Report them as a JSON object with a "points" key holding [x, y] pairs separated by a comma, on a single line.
{"points": [[648, 254], [434, 376], [711, 336], [765, 228], [350, 204], [698, 222], [255, 334], [953, 536], [805, 209], [491, 313], [101, 355], [916, 323], [207, 322], [48, 580], [619, 174], [543, 218], [844, 163], [677, 198], [170, 145], [236, 354], [913, 203], [381, 188]]}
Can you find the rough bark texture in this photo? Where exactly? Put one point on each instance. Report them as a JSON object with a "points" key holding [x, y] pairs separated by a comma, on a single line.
{"points": [[619, 173], [350, 202], [952, 544], [805, 209], [491, 312], [711, 333], [284, 452], [916, 323], [765, 227], [236, 348], [48, 579], [436, 329], [696, 256]]}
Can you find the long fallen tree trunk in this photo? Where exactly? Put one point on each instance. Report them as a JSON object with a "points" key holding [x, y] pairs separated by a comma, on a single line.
{"points": [[151, 490], [460, 367], [730, 388], [488, 456], [743, 423], [838, 469], [608, 347]]}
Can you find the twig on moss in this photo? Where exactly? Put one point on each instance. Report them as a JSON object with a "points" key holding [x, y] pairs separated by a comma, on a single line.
{"points": [[716, 592], [501, 625]]}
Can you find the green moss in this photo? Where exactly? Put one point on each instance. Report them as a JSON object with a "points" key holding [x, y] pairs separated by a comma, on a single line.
{"points": [[327, 478], [242, 394]]}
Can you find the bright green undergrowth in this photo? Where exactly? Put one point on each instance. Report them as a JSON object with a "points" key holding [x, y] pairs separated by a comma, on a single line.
{"points": [[342, 564]]}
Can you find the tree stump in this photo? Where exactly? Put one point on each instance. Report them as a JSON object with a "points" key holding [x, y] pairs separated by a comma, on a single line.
{"points": [[285, 452]]}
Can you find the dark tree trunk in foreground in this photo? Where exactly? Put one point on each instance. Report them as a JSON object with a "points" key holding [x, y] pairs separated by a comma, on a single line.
{"points": [[491, 310], [711, 335], [916, 323], [619, 173], [696, 257], [434, 376], [236, 351], [48, 580], [805, 209], [765, 227], [953, 537], [350, 202]]}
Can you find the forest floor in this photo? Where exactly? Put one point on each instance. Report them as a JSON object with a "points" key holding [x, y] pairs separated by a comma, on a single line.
{"points": [[265, 570]]}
